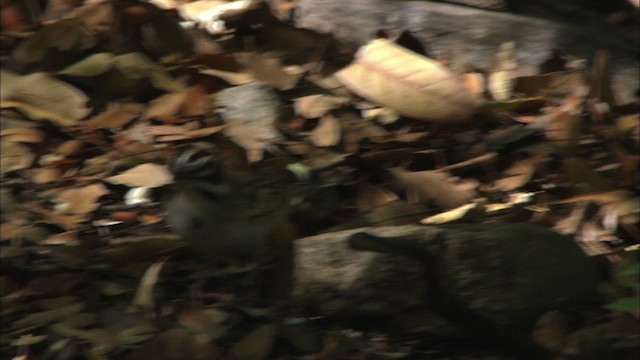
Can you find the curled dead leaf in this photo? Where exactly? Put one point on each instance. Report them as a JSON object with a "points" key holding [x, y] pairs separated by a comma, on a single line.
{"points": [[411, 84]]}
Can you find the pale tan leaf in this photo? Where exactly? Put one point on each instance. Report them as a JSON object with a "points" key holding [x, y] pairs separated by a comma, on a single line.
{"points": [[266, 69], [64, 238], [81, 200], [519, 173], [69, 147], [197, 103], [117, 116], [186, 131], [45, 94], [14, 156], [411, 84], [145, 175], [165, 106], [314, 106], [370, 197], [327, 133], [467, 213], [233, 78], [36, 113], [26, 135], [440, 187], [45, 175], [144, 295]]}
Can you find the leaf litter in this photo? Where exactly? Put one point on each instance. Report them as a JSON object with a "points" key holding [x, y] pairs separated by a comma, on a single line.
{"points": [[80, 131]]}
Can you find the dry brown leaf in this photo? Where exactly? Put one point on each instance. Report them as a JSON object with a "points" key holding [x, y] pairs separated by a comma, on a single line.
{"points": [[440, 187], [197, 103], [165, 106], [45, 175], [146, 175], [26, 135], [115, 117], [144, 295], [233, 78], [266, 69], [370, 197], [166, 133], [381, 115], [413, 85], [9, 229], [81, 200], [64, 238], [564, 128], [327, 133], [314, 106], [519, 173], [40, 95], [14, 156], [69, 147]]}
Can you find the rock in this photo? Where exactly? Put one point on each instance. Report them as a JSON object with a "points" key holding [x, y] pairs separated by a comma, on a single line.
{"points": [[476, 33], [505, 275]]}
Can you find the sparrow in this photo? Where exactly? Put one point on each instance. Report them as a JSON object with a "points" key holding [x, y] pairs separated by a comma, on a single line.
{"points": [[225, 215]]}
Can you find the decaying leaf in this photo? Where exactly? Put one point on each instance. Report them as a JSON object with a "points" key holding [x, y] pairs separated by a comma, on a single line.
{"points": [[370, 197], [144, 296], [117, 116], [147, 175], [25, 135], [314, 106], [411, 84], [81, 200], [48, 97], [14, 156], [437, 186], [267, 69], [327, 133]]}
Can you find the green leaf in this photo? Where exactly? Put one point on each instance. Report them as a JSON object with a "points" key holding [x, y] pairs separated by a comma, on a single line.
{"points": [[624, 304]]}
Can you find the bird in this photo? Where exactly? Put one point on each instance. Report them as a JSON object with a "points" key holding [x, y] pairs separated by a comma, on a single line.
{"points": [[228, 216]]}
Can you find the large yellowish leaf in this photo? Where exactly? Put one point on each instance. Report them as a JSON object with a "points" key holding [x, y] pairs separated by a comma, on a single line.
{"points": [[41, 95], [148, 175], [411, 84]]}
